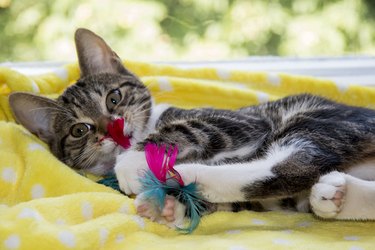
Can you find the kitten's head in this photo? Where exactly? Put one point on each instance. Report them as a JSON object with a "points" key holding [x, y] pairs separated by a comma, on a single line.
{"points": [[75, 125]]}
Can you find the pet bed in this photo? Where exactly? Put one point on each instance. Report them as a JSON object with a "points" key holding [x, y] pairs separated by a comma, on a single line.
{"points": [[46, 205]]}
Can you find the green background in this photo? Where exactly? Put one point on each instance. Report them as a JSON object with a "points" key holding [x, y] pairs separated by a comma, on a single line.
{"points": [[156, 30]]}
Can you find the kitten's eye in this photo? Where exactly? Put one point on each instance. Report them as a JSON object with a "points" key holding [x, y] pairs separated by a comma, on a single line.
{"points": [[113, 98], [80, 129]]}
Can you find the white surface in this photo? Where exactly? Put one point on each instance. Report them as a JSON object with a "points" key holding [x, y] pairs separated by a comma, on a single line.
{"points": [[348, 69]]}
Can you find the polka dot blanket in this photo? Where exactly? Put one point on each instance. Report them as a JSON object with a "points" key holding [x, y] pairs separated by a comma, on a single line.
{"points": [[46, 205]]}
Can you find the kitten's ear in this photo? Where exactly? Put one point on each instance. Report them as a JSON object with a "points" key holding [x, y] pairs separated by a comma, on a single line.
{"points": [[35, 113], [95, 56]]}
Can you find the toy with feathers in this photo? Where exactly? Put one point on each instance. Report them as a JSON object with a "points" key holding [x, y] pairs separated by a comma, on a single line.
{"points": [[161, 179]]}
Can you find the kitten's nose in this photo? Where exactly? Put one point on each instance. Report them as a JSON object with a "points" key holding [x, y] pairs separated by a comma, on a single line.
{"points": [[103, 122]]}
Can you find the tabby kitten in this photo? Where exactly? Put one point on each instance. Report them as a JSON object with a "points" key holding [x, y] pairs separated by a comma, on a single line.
{"points": [[274, 153]]}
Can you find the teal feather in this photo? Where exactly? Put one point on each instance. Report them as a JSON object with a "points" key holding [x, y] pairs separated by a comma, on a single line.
{"points": [[110, 181], [155, 191], [194, 203]]}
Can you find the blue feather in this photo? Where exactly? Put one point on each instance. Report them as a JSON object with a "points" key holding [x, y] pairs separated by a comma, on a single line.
{"points": [[110, 181], [194, 205], [153, 189], [156, 191]]}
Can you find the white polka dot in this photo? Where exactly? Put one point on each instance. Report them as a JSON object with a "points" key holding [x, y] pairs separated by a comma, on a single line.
{"points": [[60, 221], [355, 248], [139, 220], [343, 87], [37, 191], [12, 242], [263, 97], [351, 238], [124, 208], [240, 85], [119, 238], [223, 74], [304, 224], [274, 79], [165, 84], [67, 238], [61, 73], [9, 175], [35, 87], [87, 210], [281, 242], [258, 222], [28, 213], [103, 235], [235, 231], [35, 146], [238, 248]]}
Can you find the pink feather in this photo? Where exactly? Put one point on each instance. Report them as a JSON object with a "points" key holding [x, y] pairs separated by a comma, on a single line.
{"points": [[160, 160], [155, 160]]}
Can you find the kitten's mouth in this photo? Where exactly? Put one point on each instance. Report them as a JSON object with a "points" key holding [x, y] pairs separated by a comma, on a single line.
{"points": [[129, 136]]}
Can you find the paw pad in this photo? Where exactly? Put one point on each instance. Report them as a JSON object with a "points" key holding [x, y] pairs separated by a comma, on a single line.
{"points": [[328, 195]]}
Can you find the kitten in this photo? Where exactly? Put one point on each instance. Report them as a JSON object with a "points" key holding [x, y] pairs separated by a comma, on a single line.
{"points": [[299, 150]]}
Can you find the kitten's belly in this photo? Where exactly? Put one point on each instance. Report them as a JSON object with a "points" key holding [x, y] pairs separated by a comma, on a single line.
{"points": [[364, 170]]}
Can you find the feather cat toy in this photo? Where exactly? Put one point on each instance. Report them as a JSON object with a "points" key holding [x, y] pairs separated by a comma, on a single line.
{"points": [[161, 179]]}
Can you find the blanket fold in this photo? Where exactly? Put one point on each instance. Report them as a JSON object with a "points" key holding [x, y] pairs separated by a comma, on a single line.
{"points": [[46, 205]]}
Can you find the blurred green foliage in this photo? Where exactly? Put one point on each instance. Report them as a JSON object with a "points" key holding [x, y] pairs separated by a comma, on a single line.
{"points": [[162, 30]]}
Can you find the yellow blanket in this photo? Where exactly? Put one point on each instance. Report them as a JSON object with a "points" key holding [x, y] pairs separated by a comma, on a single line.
{"points": [[46, 205]]}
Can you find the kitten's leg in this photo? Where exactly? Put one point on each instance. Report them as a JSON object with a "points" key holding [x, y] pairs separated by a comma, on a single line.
{"points": [[344, 197], [130, 165], [283, 172]]}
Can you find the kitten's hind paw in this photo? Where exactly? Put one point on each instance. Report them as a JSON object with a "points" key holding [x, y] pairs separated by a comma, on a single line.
{"points": [[328, 195], [172, 214]]}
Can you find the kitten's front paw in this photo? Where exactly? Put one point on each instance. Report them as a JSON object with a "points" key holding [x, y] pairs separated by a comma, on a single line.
{"points": [[172, 214], [328, 195], [207, 185], [130, 165]]}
